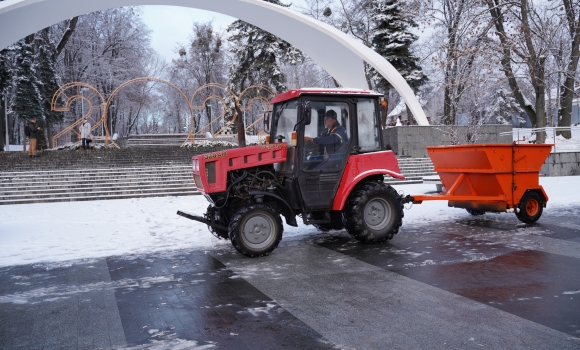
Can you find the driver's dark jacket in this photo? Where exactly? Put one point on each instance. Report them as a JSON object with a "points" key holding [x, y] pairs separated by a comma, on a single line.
{"points": [[333, 139]]}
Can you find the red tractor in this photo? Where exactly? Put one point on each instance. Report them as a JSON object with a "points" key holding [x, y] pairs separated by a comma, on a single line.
{"points": [[326, 162]]}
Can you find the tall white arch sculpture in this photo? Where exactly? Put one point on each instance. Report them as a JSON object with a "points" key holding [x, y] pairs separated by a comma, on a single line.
{"points": [[339, 54]]}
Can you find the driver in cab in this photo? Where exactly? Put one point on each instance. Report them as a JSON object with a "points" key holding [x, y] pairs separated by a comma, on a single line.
{"points": [[335, 136]]}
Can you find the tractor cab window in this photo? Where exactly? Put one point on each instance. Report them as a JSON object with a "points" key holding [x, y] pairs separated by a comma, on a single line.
{"points": [[368, 130], [285, 118], [327, 136]]}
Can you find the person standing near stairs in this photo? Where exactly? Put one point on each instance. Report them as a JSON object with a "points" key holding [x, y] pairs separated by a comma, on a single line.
{"points": [[33, 129], [85, 130]]}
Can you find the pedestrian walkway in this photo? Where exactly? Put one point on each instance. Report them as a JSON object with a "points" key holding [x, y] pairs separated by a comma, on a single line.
{"points": [[470, 283]]}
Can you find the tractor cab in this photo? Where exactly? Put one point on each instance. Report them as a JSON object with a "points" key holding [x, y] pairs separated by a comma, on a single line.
{"points": [[322, 128]]}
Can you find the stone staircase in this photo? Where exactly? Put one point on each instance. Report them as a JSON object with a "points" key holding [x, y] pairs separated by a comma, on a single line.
{"points": [[82, 175], [156, 140], [94, 184], [414, 170]]}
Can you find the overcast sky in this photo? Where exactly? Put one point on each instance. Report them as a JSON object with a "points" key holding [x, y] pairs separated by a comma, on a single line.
{"points": [[171, 25]]}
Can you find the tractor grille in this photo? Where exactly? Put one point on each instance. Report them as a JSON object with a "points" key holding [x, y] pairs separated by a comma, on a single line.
{"points": [[210, 172], [197, 180]]}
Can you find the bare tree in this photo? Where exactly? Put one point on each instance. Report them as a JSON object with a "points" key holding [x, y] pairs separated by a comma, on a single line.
{"points": [[353, 17], [462, 31], [526, 34], [107, 48], [572, 15]]}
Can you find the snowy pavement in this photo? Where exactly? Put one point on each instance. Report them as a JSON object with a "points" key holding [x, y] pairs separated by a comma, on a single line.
{"points": [[132, 274], [56, 232]]}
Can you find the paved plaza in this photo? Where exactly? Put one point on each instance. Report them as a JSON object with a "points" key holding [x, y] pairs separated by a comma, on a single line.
{"points": [[487, 282]]}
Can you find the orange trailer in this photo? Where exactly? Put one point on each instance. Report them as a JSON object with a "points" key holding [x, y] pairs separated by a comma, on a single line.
{"points": [[491, 178]]}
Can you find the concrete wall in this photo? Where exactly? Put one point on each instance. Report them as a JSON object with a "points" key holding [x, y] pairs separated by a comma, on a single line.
{"points": [[562, 164], [411, 141]]}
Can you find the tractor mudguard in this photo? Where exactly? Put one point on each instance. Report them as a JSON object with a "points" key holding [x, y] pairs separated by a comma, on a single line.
{"points": [[286, 210], [362, 166]]}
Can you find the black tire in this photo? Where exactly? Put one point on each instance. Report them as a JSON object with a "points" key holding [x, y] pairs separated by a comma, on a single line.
{"points": [[373, 213], [256, 230], [214, 214], [475, 212], [530, 208]]}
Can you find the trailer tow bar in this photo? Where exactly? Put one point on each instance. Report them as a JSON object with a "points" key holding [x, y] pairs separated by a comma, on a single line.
{"points": [[202, 220]]}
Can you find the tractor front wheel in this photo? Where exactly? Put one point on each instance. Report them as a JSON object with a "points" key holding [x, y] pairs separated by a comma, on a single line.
{"points": [[373, 213], [256, 230], [215, 215], [530, 208]]}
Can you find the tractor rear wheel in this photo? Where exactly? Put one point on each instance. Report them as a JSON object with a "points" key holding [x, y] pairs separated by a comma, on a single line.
{"points": [[530, 208], [373, 213], [256, 230]]}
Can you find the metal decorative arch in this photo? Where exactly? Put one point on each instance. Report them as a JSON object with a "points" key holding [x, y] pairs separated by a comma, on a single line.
{"points": [[146, 79], [256, 93], [338, 53], [70, 92], [200, 98], [66, 94]]}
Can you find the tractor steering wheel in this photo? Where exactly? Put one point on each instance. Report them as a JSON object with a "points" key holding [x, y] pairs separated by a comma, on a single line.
{"points": [[311, 149]]}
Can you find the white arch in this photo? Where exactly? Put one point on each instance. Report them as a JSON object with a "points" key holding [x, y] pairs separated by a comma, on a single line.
{"points": [[339, 54]]}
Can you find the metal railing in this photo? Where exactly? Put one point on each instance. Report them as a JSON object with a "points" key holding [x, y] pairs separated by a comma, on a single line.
{"points": [[526, 135]]}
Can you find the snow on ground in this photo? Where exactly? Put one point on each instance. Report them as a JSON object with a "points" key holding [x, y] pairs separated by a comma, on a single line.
{"points": [[56, 232], [561, 144], [15, 148]]}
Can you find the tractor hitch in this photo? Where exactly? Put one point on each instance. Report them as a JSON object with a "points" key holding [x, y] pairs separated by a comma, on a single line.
{"points": [[202, 220], [408, 199]]}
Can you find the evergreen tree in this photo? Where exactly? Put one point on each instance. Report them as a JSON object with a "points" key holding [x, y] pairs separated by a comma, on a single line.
{"points": [[46, 76], [256, 52], [504, 108], [392, 39], [5, 77], [27, 101]]}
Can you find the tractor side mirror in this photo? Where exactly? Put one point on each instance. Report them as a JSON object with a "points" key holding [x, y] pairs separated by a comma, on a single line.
{"points": [[307, 112]]}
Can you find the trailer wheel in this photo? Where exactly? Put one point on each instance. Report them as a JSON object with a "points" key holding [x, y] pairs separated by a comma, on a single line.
{"points": [[531, 207], [475, 212], [373, 213], [256, 230]]}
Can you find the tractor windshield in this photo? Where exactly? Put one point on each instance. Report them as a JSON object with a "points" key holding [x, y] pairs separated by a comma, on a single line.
{"points": [[285, 117]]}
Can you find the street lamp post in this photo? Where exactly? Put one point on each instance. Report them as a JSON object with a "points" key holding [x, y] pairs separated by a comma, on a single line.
{"points": [[6, 121], [83, 89], [109, 121], [209, 118], [103, 106]]}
